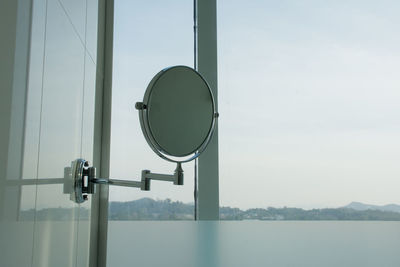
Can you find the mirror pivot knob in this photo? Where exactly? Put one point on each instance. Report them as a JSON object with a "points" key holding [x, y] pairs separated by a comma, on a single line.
{"points": [[140, 106]]}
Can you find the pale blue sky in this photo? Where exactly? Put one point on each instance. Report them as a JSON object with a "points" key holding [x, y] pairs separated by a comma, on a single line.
{"points": [[308, 97]]}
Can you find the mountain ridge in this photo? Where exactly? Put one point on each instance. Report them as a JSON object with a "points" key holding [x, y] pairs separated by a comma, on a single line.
{"points": [[362, 206], [150, 209]]}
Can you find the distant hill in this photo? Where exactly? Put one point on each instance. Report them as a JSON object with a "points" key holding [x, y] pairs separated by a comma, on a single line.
{"points": [[54, 214], [150, 209], [362, 206], [339, 214]]}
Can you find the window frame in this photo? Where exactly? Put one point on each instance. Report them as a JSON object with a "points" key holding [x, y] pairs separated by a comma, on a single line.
{"points": [[205, 27]]}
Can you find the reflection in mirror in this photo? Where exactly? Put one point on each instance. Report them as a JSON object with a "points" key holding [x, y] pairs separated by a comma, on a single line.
{"points": [[26, 210]]}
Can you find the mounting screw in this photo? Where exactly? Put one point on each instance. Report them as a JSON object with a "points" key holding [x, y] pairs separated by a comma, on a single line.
{"points": [[140, 106]]}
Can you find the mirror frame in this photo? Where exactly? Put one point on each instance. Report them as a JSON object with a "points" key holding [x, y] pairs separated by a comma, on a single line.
{"points": [[145, 124]]}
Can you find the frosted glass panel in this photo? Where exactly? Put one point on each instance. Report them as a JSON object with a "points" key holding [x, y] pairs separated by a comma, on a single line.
{"points": [[253, 244]]}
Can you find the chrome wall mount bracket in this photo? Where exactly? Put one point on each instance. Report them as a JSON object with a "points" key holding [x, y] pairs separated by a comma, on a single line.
{"points": [[84, 180]]}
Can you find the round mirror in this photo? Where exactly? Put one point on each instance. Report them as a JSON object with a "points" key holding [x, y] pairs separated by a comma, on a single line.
{"points": [[177, 114]]}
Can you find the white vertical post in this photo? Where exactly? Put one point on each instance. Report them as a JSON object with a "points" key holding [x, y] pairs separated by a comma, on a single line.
{"points": [[101, 155], [208, 182]]}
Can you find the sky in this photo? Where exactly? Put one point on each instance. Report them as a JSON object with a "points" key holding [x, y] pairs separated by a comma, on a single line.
{"points": [[308, 99]]}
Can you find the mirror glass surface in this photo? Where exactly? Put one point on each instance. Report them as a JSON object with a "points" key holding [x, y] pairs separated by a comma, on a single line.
{"points": [[179, 114]]}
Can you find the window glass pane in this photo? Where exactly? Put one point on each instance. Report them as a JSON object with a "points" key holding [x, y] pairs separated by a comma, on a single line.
{"points": [[309, 102], [52, 123], [148, 37]]}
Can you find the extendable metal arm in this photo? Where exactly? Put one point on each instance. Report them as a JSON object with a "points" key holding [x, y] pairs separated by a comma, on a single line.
{"points": [[80, 180], [84, 178], [176, 178], [144, 184], [116, 182]]}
